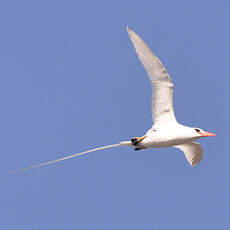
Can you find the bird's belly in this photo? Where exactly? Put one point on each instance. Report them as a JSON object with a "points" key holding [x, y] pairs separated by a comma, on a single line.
{"points": [[159, 142]]}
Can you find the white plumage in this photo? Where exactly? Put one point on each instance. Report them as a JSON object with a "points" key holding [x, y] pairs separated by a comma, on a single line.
{"points": [[162, 85], [192, 151], [166, 131]]}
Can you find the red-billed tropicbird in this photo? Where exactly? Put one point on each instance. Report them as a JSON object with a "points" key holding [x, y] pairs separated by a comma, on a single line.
{"points": [[166, 131]]}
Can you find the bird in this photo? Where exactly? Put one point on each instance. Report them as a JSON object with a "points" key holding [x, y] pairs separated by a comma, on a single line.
{"points": [[165, 131]]}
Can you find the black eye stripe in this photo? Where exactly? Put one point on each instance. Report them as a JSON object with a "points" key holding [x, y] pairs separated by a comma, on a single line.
{"points": [[197, 130]]}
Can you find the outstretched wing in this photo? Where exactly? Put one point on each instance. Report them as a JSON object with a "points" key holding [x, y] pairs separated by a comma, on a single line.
{"points": [[192, 151], [162, 86]]}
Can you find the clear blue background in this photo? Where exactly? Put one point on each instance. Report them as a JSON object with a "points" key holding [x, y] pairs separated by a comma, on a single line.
{"points": [[71, 81]]}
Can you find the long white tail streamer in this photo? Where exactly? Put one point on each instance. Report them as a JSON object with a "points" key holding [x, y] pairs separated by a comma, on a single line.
{"points": [[123, 143]]}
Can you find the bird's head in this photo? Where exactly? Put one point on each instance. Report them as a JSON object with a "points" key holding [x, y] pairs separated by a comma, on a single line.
{"points": [[201, 133]]}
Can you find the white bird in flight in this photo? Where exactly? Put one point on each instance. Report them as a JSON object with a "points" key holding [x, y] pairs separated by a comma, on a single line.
{"points": [[166, 131]]}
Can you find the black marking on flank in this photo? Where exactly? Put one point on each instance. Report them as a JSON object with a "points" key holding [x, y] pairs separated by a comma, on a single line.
{"points": [[134, 141]]}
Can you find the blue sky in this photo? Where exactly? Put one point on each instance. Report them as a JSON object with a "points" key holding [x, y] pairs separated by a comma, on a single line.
{"points": [[71, 81]]}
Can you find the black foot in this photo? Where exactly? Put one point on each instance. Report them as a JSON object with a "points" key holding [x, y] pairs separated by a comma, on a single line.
{"points": [[136, 149], [134, 141]]}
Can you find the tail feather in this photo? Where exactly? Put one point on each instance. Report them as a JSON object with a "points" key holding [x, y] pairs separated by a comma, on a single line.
{"points": [[123, 143]]}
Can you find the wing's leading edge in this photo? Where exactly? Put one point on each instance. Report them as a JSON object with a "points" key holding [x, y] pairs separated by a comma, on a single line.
{"points": [[192, 151], [162, 86]]}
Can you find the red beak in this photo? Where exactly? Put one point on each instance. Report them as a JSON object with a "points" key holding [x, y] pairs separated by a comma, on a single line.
{"points": [[207, 134]]}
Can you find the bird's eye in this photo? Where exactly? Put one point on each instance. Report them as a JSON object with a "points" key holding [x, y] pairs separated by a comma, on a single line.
{"points": [[197, 130]]}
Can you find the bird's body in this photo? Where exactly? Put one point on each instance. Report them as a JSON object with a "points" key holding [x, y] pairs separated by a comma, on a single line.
{"points": [[166, 131], [167, 136]]}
